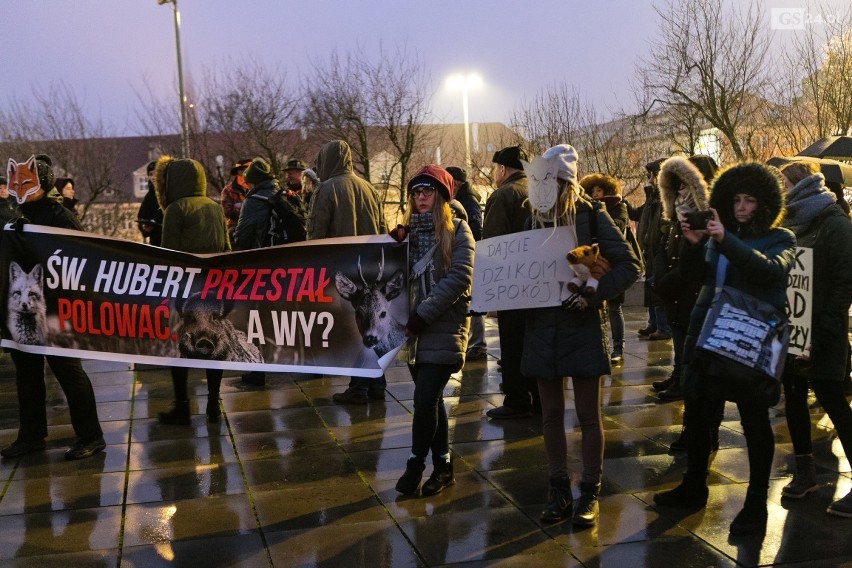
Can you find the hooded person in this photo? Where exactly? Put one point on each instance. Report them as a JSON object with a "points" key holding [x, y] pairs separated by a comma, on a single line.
{"points": [[756, 255], [194, 223], [568, 341], [649, 234], [8, 204], [683, 190], [344, 205], [32, 185]]}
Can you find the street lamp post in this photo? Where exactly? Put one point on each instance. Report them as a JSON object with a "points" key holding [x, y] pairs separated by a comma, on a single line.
{"points": [[184, 136], [465, 82]]}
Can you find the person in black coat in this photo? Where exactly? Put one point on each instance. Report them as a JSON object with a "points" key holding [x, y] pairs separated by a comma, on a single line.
{"points": [[477, 348], [607, 190], [8, 204], [821, 225], [150, 216], [44, 207]]}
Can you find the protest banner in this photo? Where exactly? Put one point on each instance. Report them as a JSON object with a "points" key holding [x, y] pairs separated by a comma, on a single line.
{"points": [[289, 308], [799, 300], [522, 270]]}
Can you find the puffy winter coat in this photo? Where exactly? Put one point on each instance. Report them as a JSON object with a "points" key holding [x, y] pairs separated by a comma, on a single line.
{"points": [[559, 342], [444, 311], [192, 222], [255, 214], [343, 205], [507, 209], [469, 199]]}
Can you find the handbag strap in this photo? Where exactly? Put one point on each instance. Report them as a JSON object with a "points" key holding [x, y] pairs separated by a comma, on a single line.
{"points": [[721, 269]]}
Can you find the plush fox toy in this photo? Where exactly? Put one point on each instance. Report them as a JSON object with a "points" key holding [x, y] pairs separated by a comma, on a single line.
{"points": [[588, 266]]}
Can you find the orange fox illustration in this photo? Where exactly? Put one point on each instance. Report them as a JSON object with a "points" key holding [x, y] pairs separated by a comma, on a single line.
{"points": [[23, 179]]}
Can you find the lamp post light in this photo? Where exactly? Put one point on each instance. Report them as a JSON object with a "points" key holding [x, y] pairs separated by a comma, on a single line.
{"points": [[184, 137], [465, 81]]}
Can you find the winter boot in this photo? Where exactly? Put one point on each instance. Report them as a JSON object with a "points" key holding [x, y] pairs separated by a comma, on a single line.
{"points": [[752, 518], [178, 415], [841, 507], [586, 512], [617, 355], [559, 500], [679, 445], [409, 483], [804, 480], [692, 493], [442, 476]]}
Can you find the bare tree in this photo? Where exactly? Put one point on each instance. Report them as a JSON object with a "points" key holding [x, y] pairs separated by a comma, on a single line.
{"points": [[54, 121], [553, 116], [710, 62]]}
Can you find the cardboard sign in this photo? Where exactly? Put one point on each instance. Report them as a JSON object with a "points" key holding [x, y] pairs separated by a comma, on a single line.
{"points": [[522, 270], [800, 283]]}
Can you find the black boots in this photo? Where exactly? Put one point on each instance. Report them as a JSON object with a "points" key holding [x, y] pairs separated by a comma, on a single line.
{"points": [[804, 480], [692, 493], [442, 476], [178, 415], [586, 511], [409, 483], [752, 518], [559, 500]]}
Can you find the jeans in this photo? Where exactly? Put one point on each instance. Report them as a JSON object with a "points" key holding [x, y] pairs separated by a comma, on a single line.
{"points": [[430, 427], [32, 394], [363, 385], [661, 319], [476, 337], [616, 324]]}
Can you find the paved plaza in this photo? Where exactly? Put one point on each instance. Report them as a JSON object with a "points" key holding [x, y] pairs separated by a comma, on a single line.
{"points": [[288, 478]]}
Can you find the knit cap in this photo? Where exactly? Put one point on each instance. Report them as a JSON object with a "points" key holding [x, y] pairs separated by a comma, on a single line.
{"points": [[259, 171], [566, 156]]}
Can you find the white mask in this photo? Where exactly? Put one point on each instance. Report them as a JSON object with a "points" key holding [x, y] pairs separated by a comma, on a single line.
{"points": [[542, 186]]}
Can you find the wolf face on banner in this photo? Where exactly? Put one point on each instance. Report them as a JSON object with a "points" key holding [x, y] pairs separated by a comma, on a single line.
{"points": [[27, 310], [379, 329], [207, 333]]}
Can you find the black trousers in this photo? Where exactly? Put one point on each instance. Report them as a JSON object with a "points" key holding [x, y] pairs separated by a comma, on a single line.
{"points": [[830, 396], [521, 392], [29, 376]]}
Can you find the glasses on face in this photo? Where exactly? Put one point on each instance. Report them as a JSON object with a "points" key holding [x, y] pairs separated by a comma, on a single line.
{"points": [[424, 191]]}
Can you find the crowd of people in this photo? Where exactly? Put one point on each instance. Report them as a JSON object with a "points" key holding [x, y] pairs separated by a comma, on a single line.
{"points": [[752, 219]]}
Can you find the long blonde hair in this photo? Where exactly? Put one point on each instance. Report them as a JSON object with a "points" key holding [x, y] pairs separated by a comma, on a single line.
{"points": [[443, 219]]}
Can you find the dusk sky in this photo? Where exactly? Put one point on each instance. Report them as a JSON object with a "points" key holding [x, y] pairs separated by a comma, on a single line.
{"points": [[106, 49]]}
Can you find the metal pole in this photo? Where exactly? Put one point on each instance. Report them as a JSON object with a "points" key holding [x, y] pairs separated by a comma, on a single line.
{"points": [[467, 161], [184, 135]]}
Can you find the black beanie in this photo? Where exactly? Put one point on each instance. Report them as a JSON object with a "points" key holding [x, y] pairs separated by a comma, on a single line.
{"points": [[706, 165], [44, 170], [457, 173], [259, 171], [3, 180], [511, 157], [653, 168]]}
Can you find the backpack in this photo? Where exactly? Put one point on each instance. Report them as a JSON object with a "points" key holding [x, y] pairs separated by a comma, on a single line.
{"points": [[286, 219]]}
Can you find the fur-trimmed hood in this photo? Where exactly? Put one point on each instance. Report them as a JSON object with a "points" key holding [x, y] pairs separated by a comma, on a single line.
{"points": [[673, 172], [174, 179], [762, 182]]}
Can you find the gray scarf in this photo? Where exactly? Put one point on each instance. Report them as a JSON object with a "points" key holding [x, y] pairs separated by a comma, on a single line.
{"points": [[421, 240], [805, 201]]}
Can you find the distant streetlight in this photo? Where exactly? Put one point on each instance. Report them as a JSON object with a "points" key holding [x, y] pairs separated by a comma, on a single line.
{"points": [[184, 137], [465, 81]]}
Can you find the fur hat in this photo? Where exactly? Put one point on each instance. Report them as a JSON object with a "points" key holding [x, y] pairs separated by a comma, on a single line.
{"points": [[510, 157], [240, 165], [566, 155], [436, 177], [44, 170], [295, 165], [259, 171], [760, 181], [457, 173], [675, 171]]}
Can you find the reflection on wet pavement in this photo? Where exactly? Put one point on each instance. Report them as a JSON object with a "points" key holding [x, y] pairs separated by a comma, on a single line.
{"points": [[288, 478]]}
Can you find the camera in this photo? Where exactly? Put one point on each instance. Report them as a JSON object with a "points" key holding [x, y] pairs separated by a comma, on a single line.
{"points": [[698, 219]]}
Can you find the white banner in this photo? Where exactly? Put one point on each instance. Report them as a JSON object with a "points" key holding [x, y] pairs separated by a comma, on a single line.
{"points": [[799, 300], [522, 270]]}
